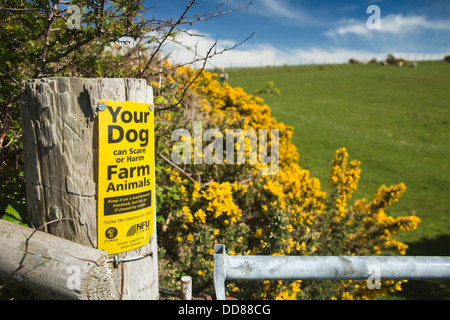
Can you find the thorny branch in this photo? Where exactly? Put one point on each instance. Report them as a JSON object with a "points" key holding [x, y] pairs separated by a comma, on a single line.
{"points": [[213, 13], [186, 87], [41, 63], [205, 59], [183, 20], [166, 36], [21, 9]]}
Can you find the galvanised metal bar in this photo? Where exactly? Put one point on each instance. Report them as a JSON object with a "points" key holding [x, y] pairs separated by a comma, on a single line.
{"points": [[325, 268]]}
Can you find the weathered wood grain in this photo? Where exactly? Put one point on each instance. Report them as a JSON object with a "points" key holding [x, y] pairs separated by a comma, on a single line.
{"points": [[59, 123], [53, 267]]}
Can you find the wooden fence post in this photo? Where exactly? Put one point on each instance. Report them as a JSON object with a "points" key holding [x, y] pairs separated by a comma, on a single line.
{"points": [[60, 137]]}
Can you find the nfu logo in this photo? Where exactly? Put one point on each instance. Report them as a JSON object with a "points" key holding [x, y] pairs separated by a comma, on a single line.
{"points": [[138, 228]]}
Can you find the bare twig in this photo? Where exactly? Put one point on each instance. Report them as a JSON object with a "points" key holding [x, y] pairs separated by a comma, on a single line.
{"points": [[211, 15], [10, 154], [71, 49], [21, 9], [189, 5], [177, 167], [185, 173], [205, 59], [185, 89], [41, 63]]}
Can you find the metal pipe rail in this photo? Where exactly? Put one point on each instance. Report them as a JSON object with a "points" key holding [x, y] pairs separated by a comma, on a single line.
{"points": [[325, 268]]}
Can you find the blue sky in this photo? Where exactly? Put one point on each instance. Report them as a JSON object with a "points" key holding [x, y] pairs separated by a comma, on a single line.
{"points": [[304, 32]]}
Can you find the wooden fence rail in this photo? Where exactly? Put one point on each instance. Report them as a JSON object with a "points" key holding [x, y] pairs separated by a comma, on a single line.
{"points": [[54, 267]]}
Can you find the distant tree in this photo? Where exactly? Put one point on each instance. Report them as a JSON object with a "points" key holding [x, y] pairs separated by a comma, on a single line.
{"points": [[390, 59], [447, 58], [395, 61]]}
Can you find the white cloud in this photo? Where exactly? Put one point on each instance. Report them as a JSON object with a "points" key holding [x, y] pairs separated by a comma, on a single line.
{"points": [[189, 48], [284, 10], [266, 54], [394, 24], [192, 48], [279, 9]]}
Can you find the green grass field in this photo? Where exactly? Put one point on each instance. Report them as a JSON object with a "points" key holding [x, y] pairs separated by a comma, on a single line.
{"points": [[395, 120]]}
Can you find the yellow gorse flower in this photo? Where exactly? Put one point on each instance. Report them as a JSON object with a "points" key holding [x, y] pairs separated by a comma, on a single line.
{"points": [[221, 201]]}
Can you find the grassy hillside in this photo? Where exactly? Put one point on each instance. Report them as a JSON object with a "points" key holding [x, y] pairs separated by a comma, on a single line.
{"points": [[395, 120]]}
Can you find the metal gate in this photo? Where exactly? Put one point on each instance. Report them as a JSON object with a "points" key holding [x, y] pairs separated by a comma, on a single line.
{"points": [[325, 268]]}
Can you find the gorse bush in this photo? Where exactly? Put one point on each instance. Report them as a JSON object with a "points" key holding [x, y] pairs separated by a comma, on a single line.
{"points": [[287, 213]]}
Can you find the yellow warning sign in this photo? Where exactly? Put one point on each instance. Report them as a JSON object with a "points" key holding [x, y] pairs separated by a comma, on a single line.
{"points": [[126, 175]]}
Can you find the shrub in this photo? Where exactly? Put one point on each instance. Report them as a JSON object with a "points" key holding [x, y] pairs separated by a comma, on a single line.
{"points": [[395, 61], [284, 214]]}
